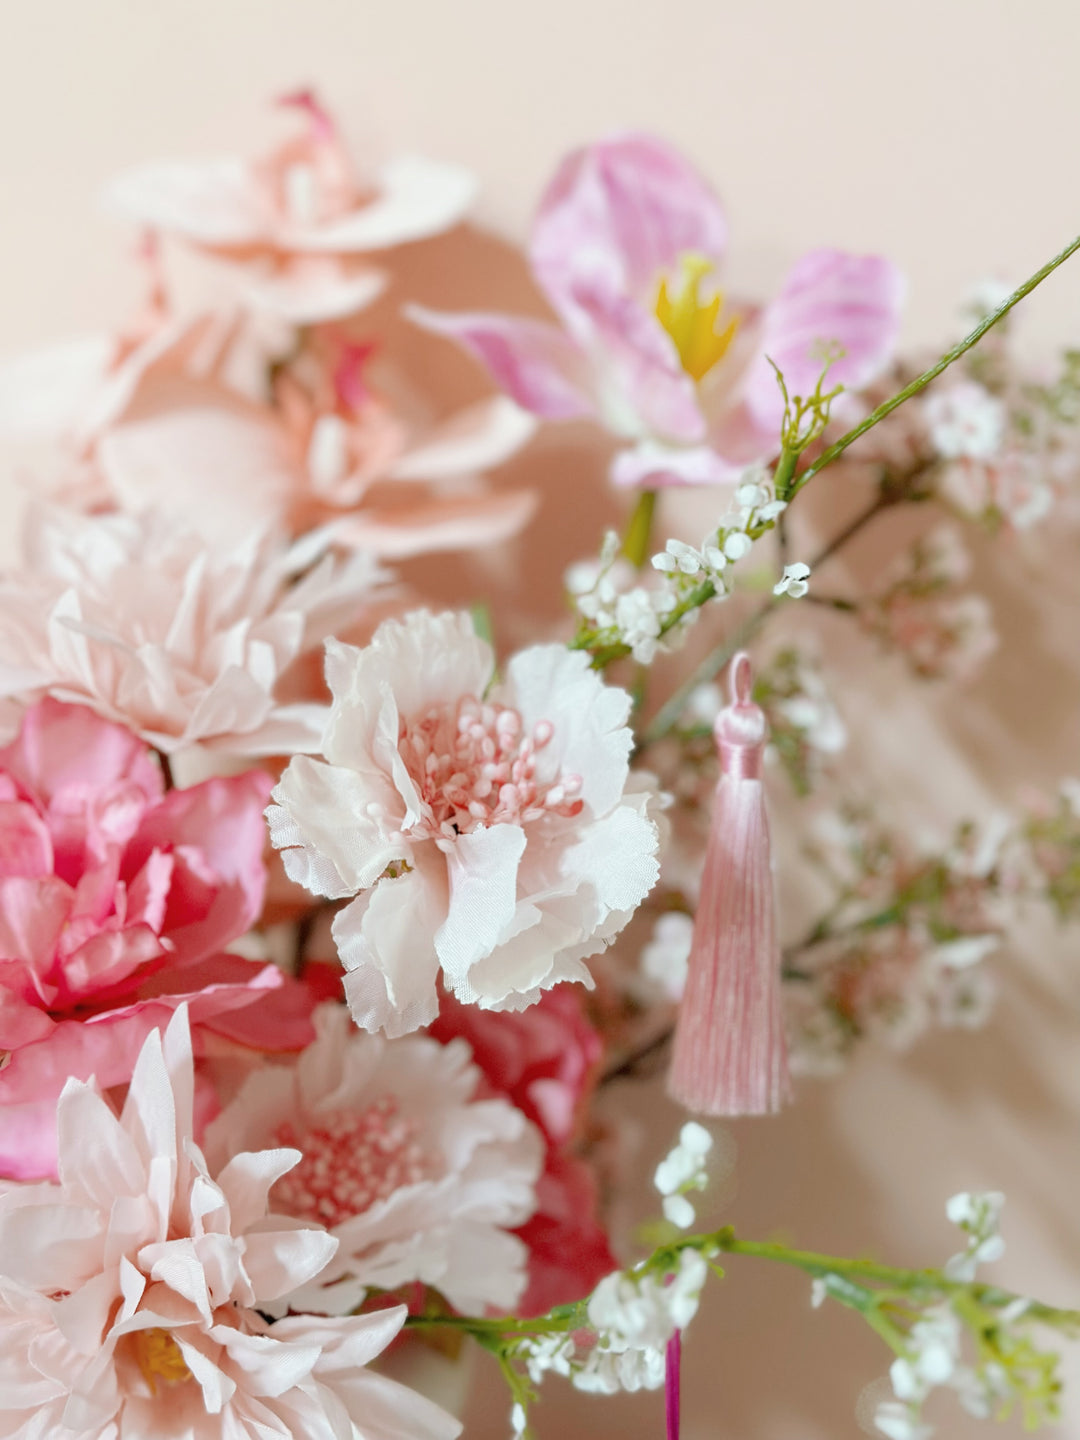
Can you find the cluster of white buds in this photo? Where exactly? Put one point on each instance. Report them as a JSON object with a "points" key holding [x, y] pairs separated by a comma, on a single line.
{"points": [[932, 1354], [604, 593], [683, 1170], [633, 1314]]}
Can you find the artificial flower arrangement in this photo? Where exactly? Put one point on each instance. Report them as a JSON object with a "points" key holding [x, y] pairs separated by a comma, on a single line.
{"points": [[279, 1092]]}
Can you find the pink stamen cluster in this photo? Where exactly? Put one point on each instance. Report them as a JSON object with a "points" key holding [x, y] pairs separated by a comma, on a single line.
{"points": [[475, 765], [351, 1159]]}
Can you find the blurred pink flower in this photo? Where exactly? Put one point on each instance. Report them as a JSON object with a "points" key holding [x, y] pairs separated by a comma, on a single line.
{"points": [[329, 451], [493, 834], [626, 236], [544, 1060], [182, 642], [298, 219], [418, 1179], [130, 1292], [116, 901]]}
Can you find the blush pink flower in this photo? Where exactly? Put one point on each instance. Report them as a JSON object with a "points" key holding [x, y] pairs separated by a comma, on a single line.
{"points": [[418, 1179], [490, 832], [182, 642], [131, 1292], [116, 901], [543, 1060], [328, 451], [299, 219], [624, 245]]}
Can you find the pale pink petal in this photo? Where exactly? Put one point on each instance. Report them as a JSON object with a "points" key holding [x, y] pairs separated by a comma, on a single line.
{"points": [[415, 198], [829, 297], [640, 385], [631, 206], [247, 1177], [386, 941], [482, 870], [48, 391], [310, 290], [534, 362], [459, 522], [651, 465], [176, 459], [213, 202], [479, 438]]}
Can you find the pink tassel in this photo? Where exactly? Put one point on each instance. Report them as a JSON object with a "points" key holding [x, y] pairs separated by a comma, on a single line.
{"points": [[730, 1054]]}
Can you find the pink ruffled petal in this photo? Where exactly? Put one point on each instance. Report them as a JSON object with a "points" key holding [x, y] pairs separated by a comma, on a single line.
{"points": [[532, 361], [216, 834], [630, 206]]}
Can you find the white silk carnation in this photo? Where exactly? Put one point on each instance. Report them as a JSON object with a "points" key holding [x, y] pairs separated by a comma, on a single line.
{"points": [[416, 1178], [492, 832], [132, 1293], [182, 643]]}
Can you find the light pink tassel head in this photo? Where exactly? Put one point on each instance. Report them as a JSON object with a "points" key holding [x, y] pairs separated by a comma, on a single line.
{"points": [[730, 1055]]}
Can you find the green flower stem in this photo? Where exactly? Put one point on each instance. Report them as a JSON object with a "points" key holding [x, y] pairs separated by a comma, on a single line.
{"points": [[639, 531], [872, 1285], [667, 717], [920, 382], [636, 544]]}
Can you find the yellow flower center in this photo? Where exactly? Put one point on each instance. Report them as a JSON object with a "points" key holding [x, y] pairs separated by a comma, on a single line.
{"points": [[691, 322], [159, 1358]]}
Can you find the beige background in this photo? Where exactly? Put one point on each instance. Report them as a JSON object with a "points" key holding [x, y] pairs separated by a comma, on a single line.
{"points": [[943, 133]]}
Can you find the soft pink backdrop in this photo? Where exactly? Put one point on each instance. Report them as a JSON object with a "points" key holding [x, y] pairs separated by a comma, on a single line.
{"points": [[943, 133]]}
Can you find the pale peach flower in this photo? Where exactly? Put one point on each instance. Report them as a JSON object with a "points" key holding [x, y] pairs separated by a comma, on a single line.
{"points": [[183, 643], [492, 832], [417, 1178], [131, 1292], [298, 220]]}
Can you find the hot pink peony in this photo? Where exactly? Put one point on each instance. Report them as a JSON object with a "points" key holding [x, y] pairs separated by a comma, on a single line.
{"points": [[299, 219], [116, 901], [131, 1292], [624, 245]]}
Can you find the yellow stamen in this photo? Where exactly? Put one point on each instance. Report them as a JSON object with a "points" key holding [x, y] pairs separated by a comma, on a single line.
{"points": [[691, 321], [160, 1358]]}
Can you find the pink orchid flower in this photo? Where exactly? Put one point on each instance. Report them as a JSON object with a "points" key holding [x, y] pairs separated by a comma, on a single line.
{"points": [[116, 901], [299, 219], [624, 246]]}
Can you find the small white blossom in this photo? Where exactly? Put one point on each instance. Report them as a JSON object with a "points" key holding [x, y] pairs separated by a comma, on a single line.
{"points": [[665, 958], [736, 545], [634, 1317], [547, 1352], [638, 623], [965, 422], [794, 580], [978, 1216], [679, 1211], [518, 1421], [897, 1421]]}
